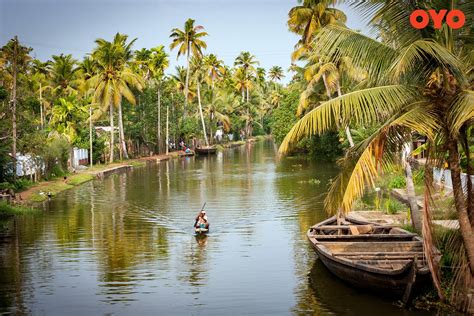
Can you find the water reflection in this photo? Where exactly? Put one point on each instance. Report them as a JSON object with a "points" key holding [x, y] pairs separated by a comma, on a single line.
{"points": [[126, 244]]}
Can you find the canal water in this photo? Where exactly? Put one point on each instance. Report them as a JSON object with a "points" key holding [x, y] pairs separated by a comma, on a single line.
{"points": [[125, 245]]}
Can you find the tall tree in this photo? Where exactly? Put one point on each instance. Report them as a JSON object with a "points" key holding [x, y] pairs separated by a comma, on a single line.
{"points": [[158, 63], [40, 71], [199, 75], [189, 40], [276, 73], [15, 59], [113, 80], [246, 62], [63, 74]]}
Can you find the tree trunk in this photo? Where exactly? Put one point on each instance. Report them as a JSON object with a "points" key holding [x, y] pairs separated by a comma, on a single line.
{"points": [[348, 131], [469, 189], [167, 129], [202, 116], [411, 196], [158, 134], [122, 134], [111, 155], [460, 203], [41, 105], [186, 86], [247, 90], [91, 162], [13, 100]]}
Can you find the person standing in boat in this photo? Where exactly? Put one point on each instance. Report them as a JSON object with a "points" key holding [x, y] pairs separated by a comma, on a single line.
{"points": [[201, 220]]}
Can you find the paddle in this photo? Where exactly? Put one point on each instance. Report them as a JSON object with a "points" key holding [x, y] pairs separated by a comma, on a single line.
{"points": [[200, 211]]}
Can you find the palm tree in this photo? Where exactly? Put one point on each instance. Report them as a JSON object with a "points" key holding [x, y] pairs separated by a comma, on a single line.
{"points": [[276, 73], [213, 69], [86, 71], [40, 72], [309, 17], [199, 75], [63, 73], [113, 80], [422, 86], [246, 62], [157, 64], [15, 59], [189, 40]]}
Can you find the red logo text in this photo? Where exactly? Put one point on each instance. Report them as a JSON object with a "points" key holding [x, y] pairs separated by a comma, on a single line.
{"points": [[420, 19]]}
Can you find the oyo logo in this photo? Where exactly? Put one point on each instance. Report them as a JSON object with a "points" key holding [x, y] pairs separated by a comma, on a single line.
{"points": [[420, 19]]}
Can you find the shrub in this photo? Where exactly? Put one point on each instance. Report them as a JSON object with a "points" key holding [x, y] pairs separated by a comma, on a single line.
{"points": [[393, 206], [397, 182]]}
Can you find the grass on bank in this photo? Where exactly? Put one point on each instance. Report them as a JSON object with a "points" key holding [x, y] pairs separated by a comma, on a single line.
{"points": [[7, 210]]}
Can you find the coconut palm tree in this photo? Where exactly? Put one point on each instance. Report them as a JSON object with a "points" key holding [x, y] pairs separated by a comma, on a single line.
{"points": [[246, 62], [40, 71], [63, 73], [276, 73], [199, 75], [158, 62], [422, 86], [189, 41], [306, 19], [113, 80], [14, 60]]}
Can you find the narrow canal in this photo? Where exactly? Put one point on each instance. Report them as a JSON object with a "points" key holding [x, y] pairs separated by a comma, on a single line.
{"points": [[125, 245]]}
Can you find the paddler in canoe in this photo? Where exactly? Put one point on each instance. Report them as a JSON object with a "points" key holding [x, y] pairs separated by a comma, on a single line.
{"points": [[201, 222]]}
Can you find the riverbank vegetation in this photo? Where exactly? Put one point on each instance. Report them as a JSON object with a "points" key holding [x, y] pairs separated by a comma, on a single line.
{"points": [[384, 92], [120, 102]]}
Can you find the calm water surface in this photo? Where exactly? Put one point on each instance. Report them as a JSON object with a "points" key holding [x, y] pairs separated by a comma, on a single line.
{"points": [[125, 244]]}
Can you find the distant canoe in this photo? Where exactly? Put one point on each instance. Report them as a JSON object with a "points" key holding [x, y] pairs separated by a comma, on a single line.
{"points": [[211, 150], [378, 257]]}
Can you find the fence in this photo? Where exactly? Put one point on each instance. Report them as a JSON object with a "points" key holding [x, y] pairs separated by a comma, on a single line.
{"points": [[80, 157], [443, 177]]}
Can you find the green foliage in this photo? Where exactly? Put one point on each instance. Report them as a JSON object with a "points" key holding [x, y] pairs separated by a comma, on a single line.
{"points": [[397, 182], [419, 176], [3, 93], [284, 117], [190, 127], [325, 147], [7, 210], [79, 178], [55, 156], [17, 186], [393, 206]]}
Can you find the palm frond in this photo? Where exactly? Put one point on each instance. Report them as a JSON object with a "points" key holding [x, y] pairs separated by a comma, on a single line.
{"points": [[366, 53], [462, 111], [361, 107]]}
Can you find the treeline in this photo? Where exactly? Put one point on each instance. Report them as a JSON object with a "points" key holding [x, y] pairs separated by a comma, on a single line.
{"points": [[121, 102]]}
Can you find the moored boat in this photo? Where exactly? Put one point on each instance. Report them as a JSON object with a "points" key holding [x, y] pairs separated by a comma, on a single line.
{"points": [[206, 150], [381, 258]]}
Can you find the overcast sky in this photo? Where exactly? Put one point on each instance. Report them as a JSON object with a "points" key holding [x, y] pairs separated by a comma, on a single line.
{"points": [[52, 27]]}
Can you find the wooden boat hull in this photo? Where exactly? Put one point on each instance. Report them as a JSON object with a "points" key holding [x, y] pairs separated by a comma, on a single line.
{"points": [[388, 263], [374, 282], [199, 230], [206, 151]]}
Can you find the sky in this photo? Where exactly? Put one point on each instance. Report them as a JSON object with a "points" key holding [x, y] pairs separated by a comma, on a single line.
{"points": [[52, 27]]}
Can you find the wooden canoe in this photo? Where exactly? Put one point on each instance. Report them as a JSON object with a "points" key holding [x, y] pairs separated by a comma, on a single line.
{"points": [[199, 230], [211, 150], [381, 258]]}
